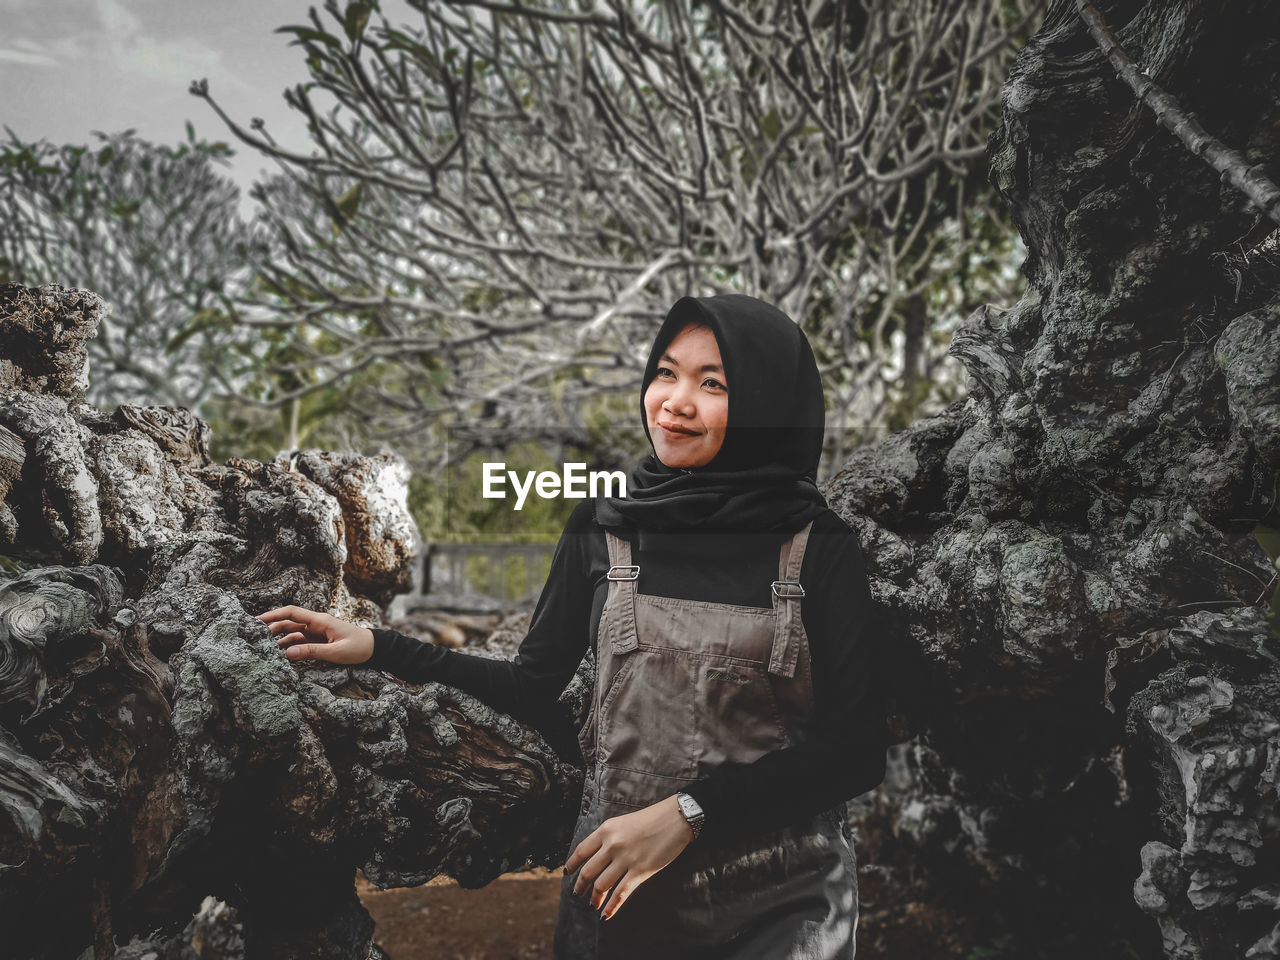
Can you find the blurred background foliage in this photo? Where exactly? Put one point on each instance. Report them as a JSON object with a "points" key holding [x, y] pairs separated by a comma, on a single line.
{"points": [[471, 262]]}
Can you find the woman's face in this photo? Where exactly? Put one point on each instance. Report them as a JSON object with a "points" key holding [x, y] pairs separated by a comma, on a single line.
{"points": [[687, 402]]}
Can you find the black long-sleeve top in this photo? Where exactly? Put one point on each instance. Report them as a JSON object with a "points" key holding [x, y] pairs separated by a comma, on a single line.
{"points": [[843, 751]]}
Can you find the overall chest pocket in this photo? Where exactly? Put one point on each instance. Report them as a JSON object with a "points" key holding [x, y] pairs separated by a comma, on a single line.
{"points": [[738, 718], [675, 716]]}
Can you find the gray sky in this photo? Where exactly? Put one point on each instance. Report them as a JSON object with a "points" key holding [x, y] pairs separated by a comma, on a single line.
{"points": [[68, 67]]}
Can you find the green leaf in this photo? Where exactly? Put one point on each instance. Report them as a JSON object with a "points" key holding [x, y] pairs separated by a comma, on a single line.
{"points": [[347, 205], [305, 34], [105, 155], [356, 18], [1268, 538], [210, 318], [395, 40], [771, 125], [191, 132], [1267, 533]]}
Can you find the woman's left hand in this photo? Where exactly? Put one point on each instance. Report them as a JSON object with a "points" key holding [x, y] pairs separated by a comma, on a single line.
{"points": [[624, 852]]}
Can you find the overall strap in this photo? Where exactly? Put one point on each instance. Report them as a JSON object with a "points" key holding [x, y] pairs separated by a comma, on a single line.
{"points": [[620, 604], [786, 603]]}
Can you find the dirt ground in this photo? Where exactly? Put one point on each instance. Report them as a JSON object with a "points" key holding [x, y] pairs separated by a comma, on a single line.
{"points": [[513, 918]]}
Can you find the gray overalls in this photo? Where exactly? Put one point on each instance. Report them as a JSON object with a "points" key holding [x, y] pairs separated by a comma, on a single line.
{"points": [[683, 686]]}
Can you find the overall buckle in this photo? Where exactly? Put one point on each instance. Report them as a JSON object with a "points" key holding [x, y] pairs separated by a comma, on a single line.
{"points": [[787, 589], [632, 572]]}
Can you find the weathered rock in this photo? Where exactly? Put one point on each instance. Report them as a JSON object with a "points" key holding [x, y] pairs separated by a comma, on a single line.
{"points": [[214, 933], [1069, 550], [155, 744]]}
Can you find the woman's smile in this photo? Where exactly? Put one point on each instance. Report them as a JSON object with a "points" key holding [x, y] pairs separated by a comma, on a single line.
{"points": [[686, 404], [675, 431]]}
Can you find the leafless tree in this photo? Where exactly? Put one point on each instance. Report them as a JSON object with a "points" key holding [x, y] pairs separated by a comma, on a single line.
{"points": [[506, 197], [156, 229]]}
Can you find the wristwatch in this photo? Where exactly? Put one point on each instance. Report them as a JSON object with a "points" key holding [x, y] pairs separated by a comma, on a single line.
{"points": [[692, 812]]}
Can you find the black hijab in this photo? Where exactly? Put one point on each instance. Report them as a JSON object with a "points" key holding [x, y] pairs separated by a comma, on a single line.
{"points": [[763, 478]]}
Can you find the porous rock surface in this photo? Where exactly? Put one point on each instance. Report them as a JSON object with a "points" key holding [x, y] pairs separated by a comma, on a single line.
{"points": [[155, 745], [1089, 672]]}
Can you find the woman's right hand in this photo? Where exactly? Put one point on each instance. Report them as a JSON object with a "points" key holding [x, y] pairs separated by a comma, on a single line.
{"points": [[309, 635]]}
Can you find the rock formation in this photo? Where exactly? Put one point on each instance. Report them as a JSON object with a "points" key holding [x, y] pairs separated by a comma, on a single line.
{"points": [[1069, 552], [155, 745]]}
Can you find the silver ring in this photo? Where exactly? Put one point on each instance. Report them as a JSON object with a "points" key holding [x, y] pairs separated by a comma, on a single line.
{"points": [[632, 570]]}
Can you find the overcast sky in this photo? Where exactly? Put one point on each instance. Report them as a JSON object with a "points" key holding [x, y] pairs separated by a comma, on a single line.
{"points": [[68, 67]]}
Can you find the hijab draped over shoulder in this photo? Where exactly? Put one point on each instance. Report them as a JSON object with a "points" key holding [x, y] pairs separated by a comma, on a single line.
{"points": [[763, 478]]}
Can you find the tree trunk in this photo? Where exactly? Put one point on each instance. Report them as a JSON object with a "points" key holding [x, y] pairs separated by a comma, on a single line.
{"points": [[1068, 553]]}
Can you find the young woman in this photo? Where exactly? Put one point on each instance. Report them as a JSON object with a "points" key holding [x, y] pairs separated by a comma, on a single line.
{"points": [[736, 706]]}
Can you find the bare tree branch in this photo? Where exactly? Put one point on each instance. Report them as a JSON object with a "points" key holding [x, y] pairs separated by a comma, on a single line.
{"points": [[1248, 178]]}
